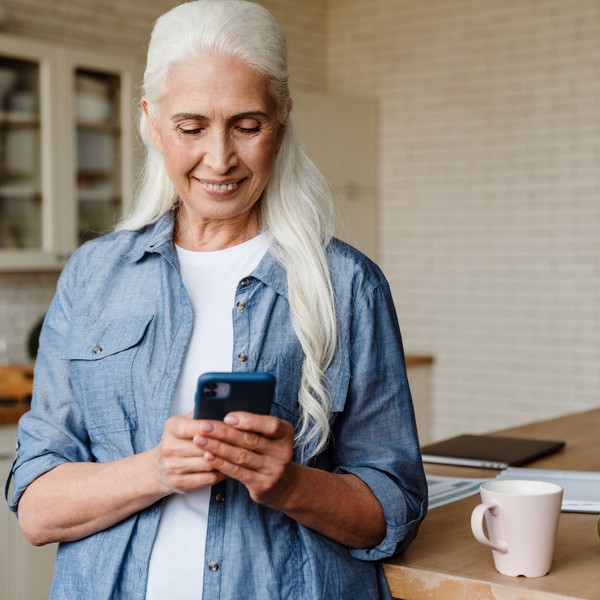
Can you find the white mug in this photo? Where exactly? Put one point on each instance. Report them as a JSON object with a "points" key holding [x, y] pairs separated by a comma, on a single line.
{"points": [[522, 521]]}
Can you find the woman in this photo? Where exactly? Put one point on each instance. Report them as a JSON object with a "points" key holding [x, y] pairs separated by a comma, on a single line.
{"points": [[227, 263]]}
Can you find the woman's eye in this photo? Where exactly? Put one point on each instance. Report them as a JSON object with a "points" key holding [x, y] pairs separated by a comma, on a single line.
{"points": [[190, 130], [248, 126]]}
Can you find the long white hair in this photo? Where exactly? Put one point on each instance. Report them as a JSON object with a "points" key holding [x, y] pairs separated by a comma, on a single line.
{"points": [[296, 207]]}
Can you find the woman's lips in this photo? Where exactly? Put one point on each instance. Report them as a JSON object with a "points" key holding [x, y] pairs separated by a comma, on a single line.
{"points": [[213, 186]]}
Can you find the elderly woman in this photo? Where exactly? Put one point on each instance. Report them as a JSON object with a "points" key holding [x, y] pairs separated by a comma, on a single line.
{"points": [[226, 264]]}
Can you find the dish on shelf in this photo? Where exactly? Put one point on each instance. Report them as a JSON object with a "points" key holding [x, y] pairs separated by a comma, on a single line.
{"points": [[92, 108], [95, 151], [22, 101], [21, 151], [97, 192], [8, 79]]}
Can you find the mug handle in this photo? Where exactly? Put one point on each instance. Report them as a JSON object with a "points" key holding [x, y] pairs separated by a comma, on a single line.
{"points": [[477, 527]]}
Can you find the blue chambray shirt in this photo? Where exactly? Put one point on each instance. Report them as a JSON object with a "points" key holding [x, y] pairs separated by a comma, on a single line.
{"points": [[111, 351]]}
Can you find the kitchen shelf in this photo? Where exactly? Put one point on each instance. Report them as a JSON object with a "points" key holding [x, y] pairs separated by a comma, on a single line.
{"points": [[110, 128], [92, 196], [19, 191], [14, 117]]}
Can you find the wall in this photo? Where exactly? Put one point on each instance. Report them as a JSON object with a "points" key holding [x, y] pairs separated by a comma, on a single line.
{"points": [[489, 188], [124, 25]]}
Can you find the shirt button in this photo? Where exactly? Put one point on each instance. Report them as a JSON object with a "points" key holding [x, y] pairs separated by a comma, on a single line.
{"points": [[240, 305], [245, 282], [242, 357], [213, 566], [220, 497], [96, 349]]}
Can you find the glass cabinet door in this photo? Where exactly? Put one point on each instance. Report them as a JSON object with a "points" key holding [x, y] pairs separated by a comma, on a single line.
{"points": [[99, 150], [67, 158], [20, 155], [100, 161]]}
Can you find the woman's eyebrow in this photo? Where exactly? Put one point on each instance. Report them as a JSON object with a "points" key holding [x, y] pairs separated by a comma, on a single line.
{"points": [[195, 116], [249, 114], [200, 117]]}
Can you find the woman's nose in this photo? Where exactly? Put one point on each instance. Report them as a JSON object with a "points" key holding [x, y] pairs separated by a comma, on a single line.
{"points": [[219, 153]]}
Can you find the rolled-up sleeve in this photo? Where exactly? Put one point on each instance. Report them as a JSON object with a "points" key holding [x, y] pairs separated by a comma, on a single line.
{"points": [[375, 436], [52, 432]]}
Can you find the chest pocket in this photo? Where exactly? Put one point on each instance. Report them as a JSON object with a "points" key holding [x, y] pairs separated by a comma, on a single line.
{"points": [[102, 354]]}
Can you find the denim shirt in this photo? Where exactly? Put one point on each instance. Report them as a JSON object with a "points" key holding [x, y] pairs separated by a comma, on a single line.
{"points": [[111, 351]]}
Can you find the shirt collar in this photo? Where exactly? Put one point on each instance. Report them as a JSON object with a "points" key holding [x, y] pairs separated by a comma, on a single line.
{"points": [[271, 272], [153, 238], [158, 237]]}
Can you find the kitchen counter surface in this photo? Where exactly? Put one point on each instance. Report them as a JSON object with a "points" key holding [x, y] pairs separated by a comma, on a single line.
{"points": [[10, 415], [417, 360]]}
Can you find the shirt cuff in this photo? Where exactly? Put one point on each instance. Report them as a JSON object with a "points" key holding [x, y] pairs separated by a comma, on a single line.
{"points": [[26, 473], [402, 520]]}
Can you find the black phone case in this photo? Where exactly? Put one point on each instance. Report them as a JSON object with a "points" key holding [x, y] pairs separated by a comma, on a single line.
{"points": [[220, 393]]}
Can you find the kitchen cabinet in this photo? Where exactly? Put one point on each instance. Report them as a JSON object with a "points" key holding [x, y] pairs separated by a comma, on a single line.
{"points": [[418, 370], [339, 132], [25, 571], [66, 148]]}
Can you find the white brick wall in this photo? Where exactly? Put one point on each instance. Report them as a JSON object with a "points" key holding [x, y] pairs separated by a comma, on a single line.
{"points": [[126, 24], [23, 300], [489, 194]]}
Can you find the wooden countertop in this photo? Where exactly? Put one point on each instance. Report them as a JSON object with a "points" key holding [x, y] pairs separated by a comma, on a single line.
{"points": [[16, 385], [445, 561], [417, 360]]}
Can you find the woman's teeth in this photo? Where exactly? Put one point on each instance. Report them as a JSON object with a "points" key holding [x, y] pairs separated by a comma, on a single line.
{"points": [[220, 187]]}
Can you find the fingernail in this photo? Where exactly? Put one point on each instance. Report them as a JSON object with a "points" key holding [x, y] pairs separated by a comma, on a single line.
{"points": [[231, 420], [200, 441], [207, 427]]}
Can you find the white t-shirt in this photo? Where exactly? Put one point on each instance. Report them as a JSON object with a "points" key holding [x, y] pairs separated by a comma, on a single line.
{"points": [[176, 567]]}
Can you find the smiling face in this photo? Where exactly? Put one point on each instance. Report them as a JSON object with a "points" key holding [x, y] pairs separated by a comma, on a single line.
{"points": [[218, 133]]}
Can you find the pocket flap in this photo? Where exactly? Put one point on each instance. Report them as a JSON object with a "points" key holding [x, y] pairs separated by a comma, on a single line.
{"points": [[90, 339]]}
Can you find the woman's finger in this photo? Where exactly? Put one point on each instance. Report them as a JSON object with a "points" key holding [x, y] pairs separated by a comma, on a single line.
{"points": [[248, 430], [182, 465], [238, 450], [266, 425]]}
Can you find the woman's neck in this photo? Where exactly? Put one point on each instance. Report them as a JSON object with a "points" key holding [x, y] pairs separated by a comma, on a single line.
{"points": [[208, 236]]}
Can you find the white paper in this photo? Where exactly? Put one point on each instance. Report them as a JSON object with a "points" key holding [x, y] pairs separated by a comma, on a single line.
{"points": [[581, 488], [443, 490]]}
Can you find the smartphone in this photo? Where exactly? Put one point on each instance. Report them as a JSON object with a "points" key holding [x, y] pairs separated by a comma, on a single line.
{"points": [[220, 393]]}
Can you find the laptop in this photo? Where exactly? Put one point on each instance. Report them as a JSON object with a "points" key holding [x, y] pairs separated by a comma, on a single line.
{"points": [[488, 451]]}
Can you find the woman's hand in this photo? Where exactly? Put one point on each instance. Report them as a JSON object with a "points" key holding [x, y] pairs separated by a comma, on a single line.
{"points": [[183, 466], [75, 500], [256, 450]]}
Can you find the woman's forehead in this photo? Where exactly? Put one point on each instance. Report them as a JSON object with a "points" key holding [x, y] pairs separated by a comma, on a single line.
{"points": [[218, 81]]}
